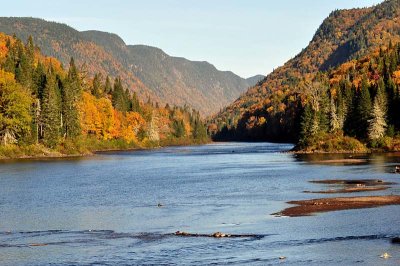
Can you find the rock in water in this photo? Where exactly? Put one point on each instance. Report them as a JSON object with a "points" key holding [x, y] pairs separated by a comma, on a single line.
{"points": [[396, 240], [385, 255]]}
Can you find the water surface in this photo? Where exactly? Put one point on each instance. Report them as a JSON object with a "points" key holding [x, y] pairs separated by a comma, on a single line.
{"points": [[103, 210]]}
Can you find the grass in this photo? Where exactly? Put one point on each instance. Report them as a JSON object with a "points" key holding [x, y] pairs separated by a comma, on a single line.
{"points": [[332, 143]]}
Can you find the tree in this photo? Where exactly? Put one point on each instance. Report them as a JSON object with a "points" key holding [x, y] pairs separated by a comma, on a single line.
{"points": [[96, 86], [120, 99], [135, 103], [71, 95], [51, 112], [334, 119], [377, 124], [364, 107], [179, 128], [107, 86], [15, 115], [307, 123]]}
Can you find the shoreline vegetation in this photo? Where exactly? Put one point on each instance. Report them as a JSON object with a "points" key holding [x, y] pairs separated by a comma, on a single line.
{"points": [[86, 147]]}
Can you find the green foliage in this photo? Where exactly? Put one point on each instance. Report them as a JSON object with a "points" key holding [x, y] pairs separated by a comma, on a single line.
{"points": [[71, 95], [51, 112], [120, 97], [15, 113], [179, 128]]}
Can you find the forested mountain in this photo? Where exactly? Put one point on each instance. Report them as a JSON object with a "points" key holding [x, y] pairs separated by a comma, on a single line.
{"points": [[43, 106], [147, 70], [272, 110]]}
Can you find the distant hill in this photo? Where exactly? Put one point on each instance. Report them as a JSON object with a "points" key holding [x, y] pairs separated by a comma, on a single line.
{"points": [[147, 70], [269, 110], [255, 79]]}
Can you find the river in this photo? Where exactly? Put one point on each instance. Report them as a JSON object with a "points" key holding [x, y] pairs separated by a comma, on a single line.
{"points": [[122, 208]]}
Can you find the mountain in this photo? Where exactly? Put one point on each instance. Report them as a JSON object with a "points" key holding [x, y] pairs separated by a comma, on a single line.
{"points": [[199, 83], [271, 109], [255, 79], [147, 70]]}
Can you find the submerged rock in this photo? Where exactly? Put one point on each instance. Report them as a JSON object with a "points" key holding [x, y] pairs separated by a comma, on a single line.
{"points": [[219, 235], [214, 235]]}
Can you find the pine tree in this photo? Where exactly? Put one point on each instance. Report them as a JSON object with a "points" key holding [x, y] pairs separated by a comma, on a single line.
{"points": [[135, 103], [334, 119], [70, 98], [120, 99], [377, 125], [108, 86], [50, 127], [179, 128], [96, 86], [307, 121], [364, 108]]}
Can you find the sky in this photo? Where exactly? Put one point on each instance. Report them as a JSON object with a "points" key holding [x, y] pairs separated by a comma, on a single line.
{"points": [[248, 37]]}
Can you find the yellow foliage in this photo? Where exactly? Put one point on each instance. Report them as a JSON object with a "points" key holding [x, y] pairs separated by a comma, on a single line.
{"points": [[396, 77]]}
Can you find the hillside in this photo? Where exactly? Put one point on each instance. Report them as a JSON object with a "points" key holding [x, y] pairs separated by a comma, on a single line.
{"points": [[147, 70], [270, 110]]}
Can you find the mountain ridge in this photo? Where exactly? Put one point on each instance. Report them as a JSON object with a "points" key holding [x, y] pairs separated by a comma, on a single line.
{"points": [[195, 83]]}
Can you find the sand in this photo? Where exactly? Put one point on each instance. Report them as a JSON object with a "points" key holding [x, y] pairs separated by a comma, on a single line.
{"points": [[309, 207]]}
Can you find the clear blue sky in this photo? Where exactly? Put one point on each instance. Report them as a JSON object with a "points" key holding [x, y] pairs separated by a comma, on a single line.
{"points": [[246, 36]]}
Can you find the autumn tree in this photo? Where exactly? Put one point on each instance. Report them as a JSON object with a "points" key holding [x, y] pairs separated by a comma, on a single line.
{"points": [[377, 123], [15, 104]]}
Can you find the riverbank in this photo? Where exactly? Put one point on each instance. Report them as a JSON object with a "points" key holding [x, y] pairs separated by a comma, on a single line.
{"points": [[82, 147], [333, 144]]}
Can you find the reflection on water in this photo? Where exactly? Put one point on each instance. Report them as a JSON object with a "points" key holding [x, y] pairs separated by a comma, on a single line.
{"points": [[104, 210]]}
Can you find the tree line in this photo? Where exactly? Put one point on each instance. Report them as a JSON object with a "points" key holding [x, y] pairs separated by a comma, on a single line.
{"points": [[41, 103]]}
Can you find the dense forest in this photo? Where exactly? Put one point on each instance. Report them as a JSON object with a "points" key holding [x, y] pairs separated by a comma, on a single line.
{"points": [[45, 109], [284, 106], [359, 99]]}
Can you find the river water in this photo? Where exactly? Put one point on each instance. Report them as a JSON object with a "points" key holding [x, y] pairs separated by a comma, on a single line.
{"points": [[103, 210]]}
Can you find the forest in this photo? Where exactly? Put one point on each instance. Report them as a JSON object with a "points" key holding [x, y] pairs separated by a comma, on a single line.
{"points": [[48, 110], [360, 99], [351, 60], [354, 107]]}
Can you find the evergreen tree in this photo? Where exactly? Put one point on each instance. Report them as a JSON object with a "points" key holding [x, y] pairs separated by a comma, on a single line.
{"points": [[120, 99], [334, 119], [364, 108], [306, 125], [107, 86], [96, 86], [179, 128], [50, 127], [71, 94], [135, 103], [199, 130], [377, 125]]}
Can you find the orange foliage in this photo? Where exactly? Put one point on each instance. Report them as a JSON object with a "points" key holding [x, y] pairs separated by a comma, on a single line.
{"points": [[396, 77]]}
